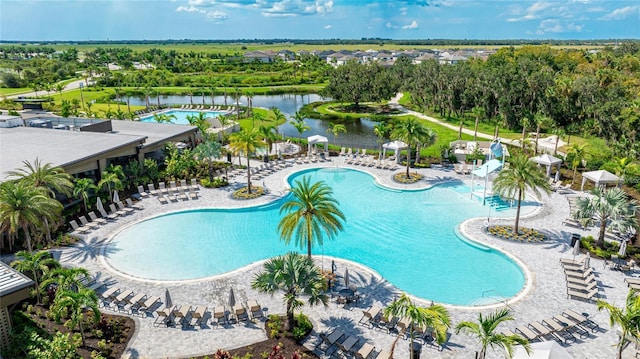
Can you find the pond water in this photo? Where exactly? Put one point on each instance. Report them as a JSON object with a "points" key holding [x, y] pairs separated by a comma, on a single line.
{"points": [[359, 133]]}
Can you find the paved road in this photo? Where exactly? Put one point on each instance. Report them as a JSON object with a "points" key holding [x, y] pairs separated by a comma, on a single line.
{"points": [[68, 87]]}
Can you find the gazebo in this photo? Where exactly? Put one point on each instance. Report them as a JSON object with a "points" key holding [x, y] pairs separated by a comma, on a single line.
{"points": [[316, 139], [395, 146], [548, 161], [600, 178]]}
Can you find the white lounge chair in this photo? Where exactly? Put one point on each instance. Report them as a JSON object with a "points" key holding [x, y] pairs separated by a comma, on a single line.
{"points": [[77, 228], [95, 219], [86, 223]]}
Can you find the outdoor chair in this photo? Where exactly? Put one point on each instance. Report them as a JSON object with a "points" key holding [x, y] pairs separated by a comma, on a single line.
{"points": [[142, 192], [95, 219], [113, 209], [104, 214], [133, 205], [77, 228], [124, 208], [86, 223]]}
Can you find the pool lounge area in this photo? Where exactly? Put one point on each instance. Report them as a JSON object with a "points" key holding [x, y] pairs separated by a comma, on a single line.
{"points": [[544, 293]]}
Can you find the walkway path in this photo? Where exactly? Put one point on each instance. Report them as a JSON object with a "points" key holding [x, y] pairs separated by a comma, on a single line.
{"points": [[545, 298], [68, 87]]}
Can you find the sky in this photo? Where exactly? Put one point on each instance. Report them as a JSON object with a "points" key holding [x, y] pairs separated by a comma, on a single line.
{"points": [[83, 20]]}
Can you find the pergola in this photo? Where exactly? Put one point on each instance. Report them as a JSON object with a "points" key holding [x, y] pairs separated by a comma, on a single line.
{"points": [[395, 146], [548, 161], [316, 139], [600, 178]]}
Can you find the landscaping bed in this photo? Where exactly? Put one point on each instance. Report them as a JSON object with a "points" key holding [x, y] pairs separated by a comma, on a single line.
{"points": [[241, 194], [529, 235], [402, 177]]}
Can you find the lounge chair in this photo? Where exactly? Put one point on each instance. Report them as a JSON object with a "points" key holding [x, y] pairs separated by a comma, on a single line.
{"points": [[109, 296], [572, 223], [559, 332], [173, 187], [179, 314], [582, 287], [136, 301], [133, 205], [95, 285], [124, 208], [582, 319], [172, 198], [147, 307], [580, 261], [219, 316], [578, 273], [255, 309], [584, 281], [77, 228], [370, 316], [120, 300], [384, 354], [588, 296], [111, 216], [573, 325], [365, 350], [184, 185], [163, 316], [331, 339], [343, 151], [84, 222], [632, 281], [240, 313], [197, 316], [182, 195], [162, 188], [527, 333], [193, 195], [540, 329], [142, 192], [348, 344], [152, 189], [113, 209], [162, 200], [95, 219]]}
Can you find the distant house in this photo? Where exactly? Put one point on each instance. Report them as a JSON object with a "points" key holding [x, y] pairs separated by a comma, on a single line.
{"points": [[260, 56], [450, 59], [425, 57], [286, 55]]}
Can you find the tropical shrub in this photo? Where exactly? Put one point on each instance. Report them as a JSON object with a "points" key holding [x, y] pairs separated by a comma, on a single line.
{"points": [[302, 328]]}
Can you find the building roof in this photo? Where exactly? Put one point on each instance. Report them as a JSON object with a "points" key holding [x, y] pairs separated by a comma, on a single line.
{"points": [[12, 280], [154, 132], [58, 147]]}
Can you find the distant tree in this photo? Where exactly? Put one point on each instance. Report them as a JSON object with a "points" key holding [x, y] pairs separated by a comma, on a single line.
{"points": [[35, 265], [335, 129], [355, 83]]}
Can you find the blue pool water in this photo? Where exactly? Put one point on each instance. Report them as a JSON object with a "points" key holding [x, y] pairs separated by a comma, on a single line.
{"points": [[409, 237], [181, 116]]}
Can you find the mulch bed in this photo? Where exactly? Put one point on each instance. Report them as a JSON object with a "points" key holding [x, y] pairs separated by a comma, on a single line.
{"points": [[402, 177], [528, 235]]}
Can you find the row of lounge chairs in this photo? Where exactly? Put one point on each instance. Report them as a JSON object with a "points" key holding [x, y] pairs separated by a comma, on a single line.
{"points": [[370, 161], [374, 318], [126, 301], [173, 192], [466, 168], [581, 283], [189, 316], [351, 153], [266, 169], [149, 109], [86, 226], [561, 328], [207, 108], [348, 345]]}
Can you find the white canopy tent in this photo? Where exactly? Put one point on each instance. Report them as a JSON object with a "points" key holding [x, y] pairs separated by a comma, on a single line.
{"points": [[395, 146], [316, 139], [600, 178], [542, 350], [548, 161]]}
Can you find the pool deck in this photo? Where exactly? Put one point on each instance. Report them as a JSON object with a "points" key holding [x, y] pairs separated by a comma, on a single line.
{"points": [[544, 298]]}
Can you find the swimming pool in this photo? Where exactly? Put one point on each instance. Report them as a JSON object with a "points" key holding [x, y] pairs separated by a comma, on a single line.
{"points": [[181, 116], [408, 237]]}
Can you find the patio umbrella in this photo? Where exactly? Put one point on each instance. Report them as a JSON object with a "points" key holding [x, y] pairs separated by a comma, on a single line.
{"points": [[542, 350], [99, 205], [333, 266], [232, 298], [116, 198], [167, 299], [587, 260], [576, 249], [557, 176], [623, 249], [346, 277]]}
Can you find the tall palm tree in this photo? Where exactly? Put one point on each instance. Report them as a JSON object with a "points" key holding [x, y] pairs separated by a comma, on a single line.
{"points": [[246, 142], [628, 318], [297, 121], [515, 179], [578, 153], [111, 181], [477, 113], [278, 116], [412, 131], [335, 129], [65, 279], [485, 332], [76, 303], [624, 167], [435, 317], [541, 121], [164, 118], [295, 275], [82, 189], [525, 124], [610, 207], [207, 150], [24, 207], [311, 213], [381, 130], [269, 135], [53, 179], [35, 265], [199, 121]]}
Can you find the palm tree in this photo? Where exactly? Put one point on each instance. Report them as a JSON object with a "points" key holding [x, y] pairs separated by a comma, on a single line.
{"points": [[82, 189], [381, 130], [199, 121], [485, 332], [24, 207], [628, 318], [624, 167], [246, 141], [164, 118], [477, 113], [610, 207], [311, 213], [110, 180], [53, 179], [269, 135], [540, 121], [278, 116], [412, 132], [207, 150], [76, 303], [299, 124], [36, 264], [336, 128], [578, 154], [295, 275], [435, 317], [525, 124], [513, 181], [65, 279]]}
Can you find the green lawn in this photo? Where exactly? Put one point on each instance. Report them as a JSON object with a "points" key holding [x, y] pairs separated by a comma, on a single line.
{"points": [[13, 91]]}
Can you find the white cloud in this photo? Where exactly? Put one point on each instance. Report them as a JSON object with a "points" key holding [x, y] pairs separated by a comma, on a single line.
{"points": [[268, 8], [389, 25], [549, 25], [622, 13], [403, 11], [531, 13], [413, 25], [189, 9], [217, 15], [327, 27]]}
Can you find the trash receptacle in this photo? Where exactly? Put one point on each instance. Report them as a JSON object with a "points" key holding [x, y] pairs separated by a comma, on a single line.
{"points": [[574, 238], [229, 157], [415, 350]]}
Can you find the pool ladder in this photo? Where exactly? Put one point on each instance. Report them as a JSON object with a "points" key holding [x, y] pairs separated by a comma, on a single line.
{"points": [[503, 301]]}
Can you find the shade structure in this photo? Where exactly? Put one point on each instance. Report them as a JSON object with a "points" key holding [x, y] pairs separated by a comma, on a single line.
{"points": [[232, 298], [542, 350], [600, 178], [395, 146], [116, 198], [548, 161], [317, 139], [487, 168], [99, 205]]}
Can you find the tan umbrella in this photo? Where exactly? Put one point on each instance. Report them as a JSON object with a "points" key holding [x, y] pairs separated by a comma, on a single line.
{"points": [[346, 278], [232, 298], [99, 205]]}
